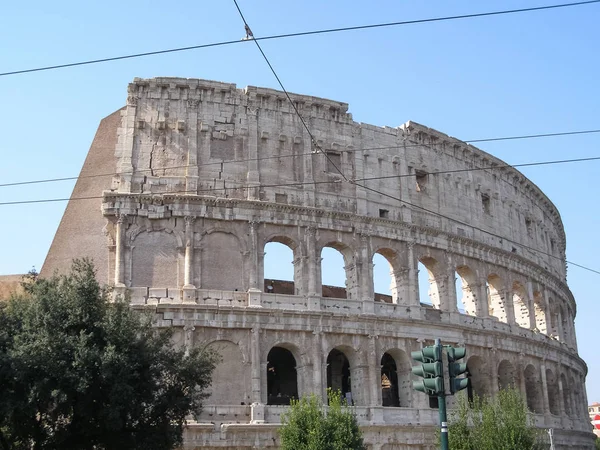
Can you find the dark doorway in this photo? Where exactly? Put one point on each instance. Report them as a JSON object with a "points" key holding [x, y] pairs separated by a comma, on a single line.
{"points": [[389, 381], [282, 383], [338, 374]]}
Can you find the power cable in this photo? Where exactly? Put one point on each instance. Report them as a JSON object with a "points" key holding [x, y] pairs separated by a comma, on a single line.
{"points": [[299, 34], [531, 136], [312, 138]]}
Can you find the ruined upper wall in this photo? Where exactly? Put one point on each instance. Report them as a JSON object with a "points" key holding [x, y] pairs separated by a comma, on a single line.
{"points": [[189, 136]]}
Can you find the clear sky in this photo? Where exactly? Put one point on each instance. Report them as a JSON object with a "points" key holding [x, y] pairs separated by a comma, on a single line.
{"points": [[476, 78]]}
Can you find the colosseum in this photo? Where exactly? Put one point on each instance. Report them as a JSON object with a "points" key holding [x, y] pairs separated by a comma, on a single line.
{"points": [[185, 186]]}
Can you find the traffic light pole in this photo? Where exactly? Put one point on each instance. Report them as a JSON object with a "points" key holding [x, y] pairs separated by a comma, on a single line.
{"points": [[442, 410]]}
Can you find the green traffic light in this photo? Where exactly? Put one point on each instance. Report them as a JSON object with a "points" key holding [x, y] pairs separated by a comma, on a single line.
{"points": [[455, 369], [455, 353], [428, 370]]}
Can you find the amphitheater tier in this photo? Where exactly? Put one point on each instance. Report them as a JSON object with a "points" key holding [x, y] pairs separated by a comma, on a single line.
{"points": [[207, 175]]}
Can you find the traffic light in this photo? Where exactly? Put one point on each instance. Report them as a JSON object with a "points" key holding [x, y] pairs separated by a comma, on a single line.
{"points": [[457, 368], [431, 370]]}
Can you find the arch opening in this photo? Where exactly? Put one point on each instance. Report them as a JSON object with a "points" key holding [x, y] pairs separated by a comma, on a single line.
{"points": [[338, 374], [553, 392], [466, 296], [477, 373], [429, 289], [496, 304], [389, 381], [540, 313], [384, 278], [520, 305], [282, 382], [533, 391], [566, 395], [279, 269], [334, 273], [507, 375]]}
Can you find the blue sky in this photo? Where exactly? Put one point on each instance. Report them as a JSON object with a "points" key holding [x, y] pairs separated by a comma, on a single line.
{"points": [[476, 78]]}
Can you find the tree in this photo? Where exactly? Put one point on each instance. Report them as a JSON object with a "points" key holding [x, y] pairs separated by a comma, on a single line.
{"points": [[308, 425], [78, 371], [597, 443], [500, 423]]}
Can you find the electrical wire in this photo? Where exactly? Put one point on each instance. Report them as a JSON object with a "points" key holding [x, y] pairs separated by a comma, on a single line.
{"points": [[299, 34], [312, 138], [232, 161]]}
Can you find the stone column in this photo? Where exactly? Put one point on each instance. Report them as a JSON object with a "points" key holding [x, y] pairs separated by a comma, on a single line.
{"points": [[562, 408], [314, 269], [531, 305], [188, 337], [318, 387], [189, 290], [521, 367], [191, 179], [256, 365], [546, 405], [482, 300], [448, 295], [120, 250], [365, 275], [413, 276], [254, 291], [494, 388], [509, 306], [253, 176], [374, 371]]}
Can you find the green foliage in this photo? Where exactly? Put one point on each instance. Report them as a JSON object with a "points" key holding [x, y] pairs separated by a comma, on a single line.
{"points": [[597, 443], [502, 423], [308, 425], [80, 372]]}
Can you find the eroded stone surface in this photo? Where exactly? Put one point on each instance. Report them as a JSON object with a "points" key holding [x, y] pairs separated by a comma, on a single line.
{"points": [[208, 174]]}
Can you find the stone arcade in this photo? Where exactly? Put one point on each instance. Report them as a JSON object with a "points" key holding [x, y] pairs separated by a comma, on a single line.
{"points": [[206, 175]]}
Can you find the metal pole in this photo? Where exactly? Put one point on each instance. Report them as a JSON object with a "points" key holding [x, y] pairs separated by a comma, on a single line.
{"points": [[442, 407]]}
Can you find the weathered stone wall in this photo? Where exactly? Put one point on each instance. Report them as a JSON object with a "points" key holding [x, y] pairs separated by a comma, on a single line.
{"points": [[208, 175]]}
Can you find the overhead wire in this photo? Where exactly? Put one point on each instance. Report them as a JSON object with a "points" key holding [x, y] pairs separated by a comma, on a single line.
{"points": [[248, 29], [312, 138], [299, 34], [262, 158]]}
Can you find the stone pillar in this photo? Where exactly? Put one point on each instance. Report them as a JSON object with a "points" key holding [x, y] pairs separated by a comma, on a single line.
{"points": [[509, 306], [189, 290], [365, 275], [314, 269], [191, 176], [494, 388], [317, 361], [253, 176], [559, 325], [521, 367], [546, 405], [531, 305], [482, 300], [413, 277], [120, 250], [188, 337], [448, 295], [256, 365], [254, 291], [374, 371], [562, 408]]}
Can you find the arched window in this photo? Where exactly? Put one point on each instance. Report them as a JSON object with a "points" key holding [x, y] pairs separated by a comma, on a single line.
{"points": [[479, 377], [279, 269], [282, 383], [338, 374], [429, 292], [396, 383], [506, 375], [384, 277], [540, 313], [553, 392], [533, 389], [466, 295], [334, 273], [520, 305], [496, 300]]}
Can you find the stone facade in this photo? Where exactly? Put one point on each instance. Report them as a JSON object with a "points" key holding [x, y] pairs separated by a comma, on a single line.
{"points": [[206, 175]]}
